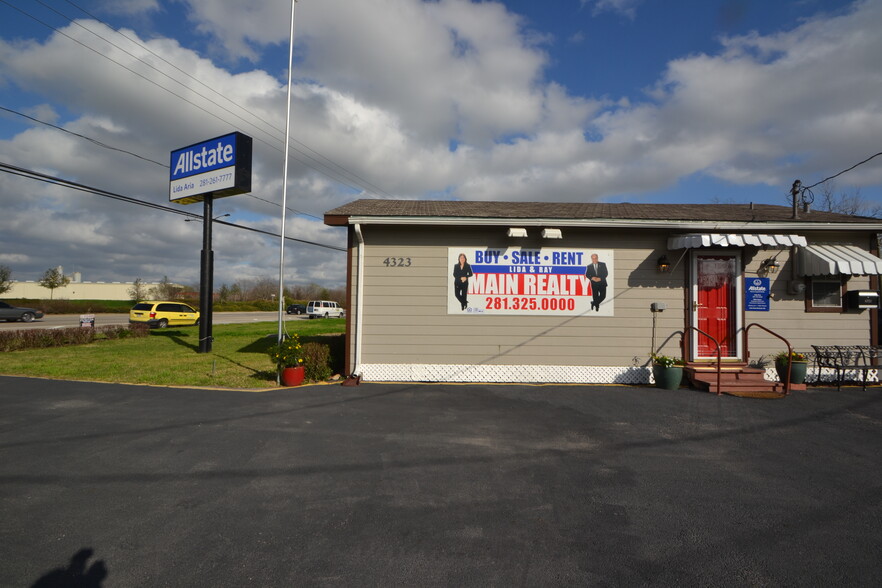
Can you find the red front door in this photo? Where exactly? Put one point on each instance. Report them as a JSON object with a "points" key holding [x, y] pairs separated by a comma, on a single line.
{"points": [[715, 304]]}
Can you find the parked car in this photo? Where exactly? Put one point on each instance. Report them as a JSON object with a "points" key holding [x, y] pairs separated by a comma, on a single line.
{"points": [[162, 313], [18, 313], [296, 309], [324, 309]]}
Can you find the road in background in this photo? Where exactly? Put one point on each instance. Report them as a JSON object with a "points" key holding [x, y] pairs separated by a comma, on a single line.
{"points": [[59, 321]]}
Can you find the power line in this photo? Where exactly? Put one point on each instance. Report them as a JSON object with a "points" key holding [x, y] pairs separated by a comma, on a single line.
{"points": [[845, 170], [84, 137], [111, 147], [331, 175], [329, 161], [33, 175]]}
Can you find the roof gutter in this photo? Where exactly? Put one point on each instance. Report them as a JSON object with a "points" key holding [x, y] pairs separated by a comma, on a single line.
{"points": [[717, 226]]}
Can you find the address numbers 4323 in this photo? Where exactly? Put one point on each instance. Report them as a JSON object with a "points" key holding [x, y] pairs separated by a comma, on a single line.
{"points": [[397, 262]]}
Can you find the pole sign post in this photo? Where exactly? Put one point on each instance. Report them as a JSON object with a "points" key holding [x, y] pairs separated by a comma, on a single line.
{"points": [[200, 173], [219, 167]]}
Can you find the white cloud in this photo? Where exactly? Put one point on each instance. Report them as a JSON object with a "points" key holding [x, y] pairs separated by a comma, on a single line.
{"points": [[812, 91], [18, 258], [624, 7], [129, 7], [386, 89]]}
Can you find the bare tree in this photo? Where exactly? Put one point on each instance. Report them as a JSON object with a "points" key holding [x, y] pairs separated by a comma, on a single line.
{"points": [[831, 199], [52, 279], [165, 290], [223, 294], [138, 291], [5, 279], [262, 289], [236, 293], [315, 292]]}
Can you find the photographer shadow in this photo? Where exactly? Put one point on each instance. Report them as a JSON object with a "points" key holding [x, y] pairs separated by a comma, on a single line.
{"points": [[76, 574]]}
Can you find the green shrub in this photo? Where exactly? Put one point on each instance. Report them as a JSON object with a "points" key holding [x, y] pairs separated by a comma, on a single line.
{"points": [[316, 361], [43, 338]]}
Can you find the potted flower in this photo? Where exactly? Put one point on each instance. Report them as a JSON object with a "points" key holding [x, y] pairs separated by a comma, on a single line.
{"points": [[795, 362], [288, 357], [667, 371]]}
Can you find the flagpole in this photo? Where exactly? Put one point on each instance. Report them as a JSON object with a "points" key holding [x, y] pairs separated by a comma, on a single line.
{"points": [[285, 179]]}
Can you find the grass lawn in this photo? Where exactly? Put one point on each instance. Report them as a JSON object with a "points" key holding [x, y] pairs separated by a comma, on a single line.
{"points": [[168, 357]]}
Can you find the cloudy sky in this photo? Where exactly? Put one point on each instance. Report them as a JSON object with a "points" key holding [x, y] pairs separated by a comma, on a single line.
{"points": [[570, 100]]}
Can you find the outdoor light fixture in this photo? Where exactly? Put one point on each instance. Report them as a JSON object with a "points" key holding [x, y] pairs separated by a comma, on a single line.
{"points": [[517, 232], [663, 265], [769, 266], [551, 234]]}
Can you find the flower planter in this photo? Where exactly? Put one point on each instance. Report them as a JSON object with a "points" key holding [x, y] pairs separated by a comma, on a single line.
{"points": [[668, 378], [797, 371], [293, 376]]}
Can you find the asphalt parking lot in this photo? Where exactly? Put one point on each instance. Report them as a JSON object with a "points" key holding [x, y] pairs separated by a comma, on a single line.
{"points": [[437, 485]]}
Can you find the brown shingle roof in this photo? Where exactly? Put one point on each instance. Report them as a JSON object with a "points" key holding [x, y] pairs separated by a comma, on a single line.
{"points": [[586, 211]]}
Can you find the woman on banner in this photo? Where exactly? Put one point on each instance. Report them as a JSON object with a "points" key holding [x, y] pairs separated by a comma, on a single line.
{"points": [[462, 271]]}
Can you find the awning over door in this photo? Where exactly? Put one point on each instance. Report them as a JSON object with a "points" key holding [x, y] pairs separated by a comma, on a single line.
{"points": [[831, 260], [695, 240]]}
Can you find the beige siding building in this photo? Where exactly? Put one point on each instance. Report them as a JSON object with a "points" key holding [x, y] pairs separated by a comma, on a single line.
{"points": [[588, 292], [76, 290]]}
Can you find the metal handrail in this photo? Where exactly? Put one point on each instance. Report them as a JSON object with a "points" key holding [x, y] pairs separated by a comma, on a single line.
{"points": [[719, 356], [786, 342]]}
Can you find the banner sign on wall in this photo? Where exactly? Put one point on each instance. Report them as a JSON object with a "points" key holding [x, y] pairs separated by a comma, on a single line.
{"points": [[530, 281], [756, 292]]}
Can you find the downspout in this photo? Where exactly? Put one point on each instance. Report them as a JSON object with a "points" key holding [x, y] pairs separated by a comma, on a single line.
{"points": [[359, 301]]}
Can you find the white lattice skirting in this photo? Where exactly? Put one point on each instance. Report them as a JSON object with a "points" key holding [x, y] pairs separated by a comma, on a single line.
{"points": [[548, 374], [827, 375], [564, 374]]}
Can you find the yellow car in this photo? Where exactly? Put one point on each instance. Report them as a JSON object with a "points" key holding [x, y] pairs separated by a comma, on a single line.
{"points": [[161, 314]]}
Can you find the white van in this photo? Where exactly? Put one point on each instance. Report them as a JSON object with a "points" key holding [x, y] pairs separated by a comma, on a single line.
{"points": [[324, 309]]}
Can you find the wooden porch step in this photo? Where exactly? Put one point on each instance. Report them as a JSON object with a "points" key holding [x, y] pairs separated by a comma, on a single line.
{"points": [[760, 394], [736, 387], [737, 380]]}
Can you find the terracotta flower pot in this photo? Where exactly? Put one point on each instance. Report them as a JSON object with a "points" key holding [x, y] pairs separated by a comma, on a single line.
{"points": [[293, 376]]}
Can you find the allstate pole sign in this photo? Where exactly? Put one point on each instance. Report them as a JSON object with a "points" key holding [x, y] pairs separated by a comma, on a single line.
{"points": [[219, 167], [201, 173]]}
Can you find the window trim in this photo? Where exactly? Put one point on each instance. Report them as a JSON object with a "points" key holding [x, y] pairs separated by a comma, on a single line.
{"points": [[809, 300]]}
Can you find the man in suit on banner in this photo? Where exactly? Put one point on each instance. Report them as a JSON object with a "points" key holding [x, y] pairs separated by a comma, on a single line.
{"points": [[596, 273]]}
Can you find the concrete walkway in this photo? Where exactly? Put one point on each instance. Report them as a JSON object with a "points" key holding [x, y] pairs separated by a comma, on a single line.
{"points": [[438, 485]]}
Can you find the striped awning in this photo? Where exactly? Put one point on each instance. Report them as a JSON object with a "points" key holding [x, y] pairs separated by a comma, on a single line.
{"points": [[831, 260], [696, 240]]}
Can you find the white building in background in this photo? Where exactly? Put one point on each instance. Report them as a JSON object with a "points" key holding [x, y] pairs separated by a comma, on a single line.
{"points": [[77, 289]]}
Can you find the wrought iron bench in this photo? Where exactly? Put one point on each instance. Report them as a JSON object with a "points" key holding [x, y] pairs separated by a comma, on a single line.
{"points": [[843, 359]]}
